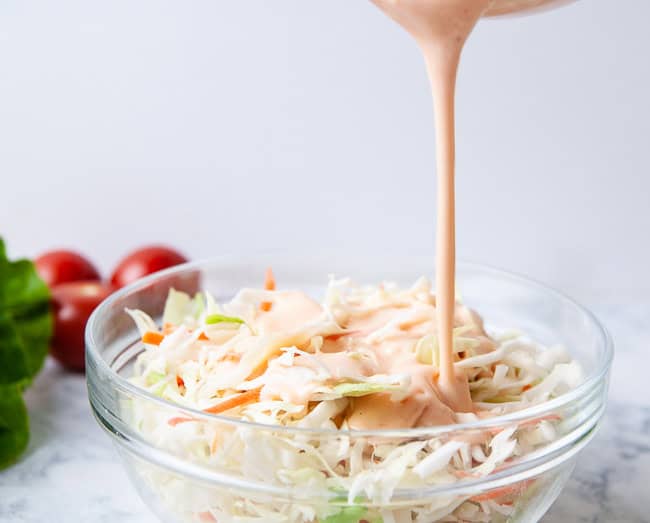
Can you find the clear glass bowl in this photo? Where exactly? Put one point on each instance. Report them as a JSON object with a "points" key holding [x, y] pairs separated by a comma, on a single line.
{"points": [[181, 486]]}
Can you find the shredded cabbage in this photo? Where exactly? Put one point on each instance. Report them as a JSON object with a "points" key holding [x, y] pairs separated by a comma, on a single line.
{"points": [[336, 365], [355, 390]]}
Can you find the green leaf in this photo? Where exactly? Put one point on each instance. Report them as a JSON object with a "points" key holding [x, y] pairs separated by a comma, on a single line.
{"points": [[21, 287], [25, 320], [351, 514], [34, 328], [14, 365], [25, 331], [213, 319], [14, 425]]}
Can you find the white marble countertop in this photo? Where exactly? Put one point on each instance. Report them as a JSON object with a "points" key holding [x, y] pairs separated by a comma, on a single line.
{"points": [[71, 472]]}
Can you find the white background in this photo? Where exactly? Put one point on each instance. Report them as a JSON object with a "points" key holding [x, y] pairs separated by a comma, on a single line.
{"points": [[221, 126]]}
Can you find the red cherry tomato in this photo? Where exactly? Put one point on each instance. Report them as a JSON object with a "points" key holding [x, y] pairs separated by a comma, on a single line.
{"points": [[63, 266], [143, 262], [72, 304]]}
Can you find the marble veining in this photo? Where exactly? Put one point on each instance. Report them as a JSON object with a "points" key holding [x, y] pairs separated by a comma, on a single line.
{"points": [[611, 482], [71, 472]]}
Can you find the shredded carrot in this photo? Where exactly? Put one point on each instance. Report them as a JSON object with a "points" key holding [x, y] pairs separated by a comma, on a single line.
{"points": [[180, 382], [527, 387], [229, 403], [177, 421], [269, 280], [203, 337], [152, 338], [507, 490], [515, 489], [234, 401], [269, 285], [339, 335], [261, 367]]}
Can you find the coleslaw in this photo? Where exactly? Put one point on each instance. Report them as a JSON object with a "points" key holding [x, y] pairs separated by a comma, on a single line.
{"points": [[364, 359]]}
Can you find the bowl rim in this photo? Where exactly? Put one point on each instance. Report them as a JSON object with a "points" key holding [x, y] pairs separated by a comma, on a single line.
{"points": [[591, 381]]}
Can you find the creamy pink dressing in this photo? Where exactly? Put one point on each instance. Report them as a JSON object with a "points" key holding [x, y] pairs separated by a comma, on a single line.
{"points": [[378, 341], [394, 350], [440, 28], [341, 366], [289, 309]]}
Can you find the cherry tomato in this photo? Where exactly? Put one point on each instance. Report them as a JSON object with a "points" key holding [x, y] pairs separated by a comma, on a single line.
{"points": [[143, 262], [63, 266], [72, 304]]}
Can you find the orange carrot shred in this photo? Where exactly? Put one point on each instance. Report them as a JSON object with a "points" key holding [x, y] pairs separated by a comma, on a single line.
{"points": [[229, 403], [203, 337], [152, 338], [517, 488], [269, 285], [234, 401], [180, 382], [261, 367], [269, 280], [339, 335]]}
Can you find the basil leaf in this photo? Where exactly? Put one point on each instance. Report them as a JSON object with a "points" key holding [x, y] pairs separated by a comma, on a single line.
{"points": [[14, 424], [25, 320], [14, 366], [25, 331], [35, 328]]}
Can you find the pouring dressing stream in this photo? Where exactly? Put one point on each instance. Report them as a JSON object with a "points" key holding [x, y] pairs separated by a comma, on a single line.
{"points": [[441, 27]]}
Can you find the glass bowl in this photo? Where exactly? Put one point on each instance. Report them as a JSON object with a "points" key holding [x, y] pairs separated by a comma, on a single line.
{"points": [[182, 483]]}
